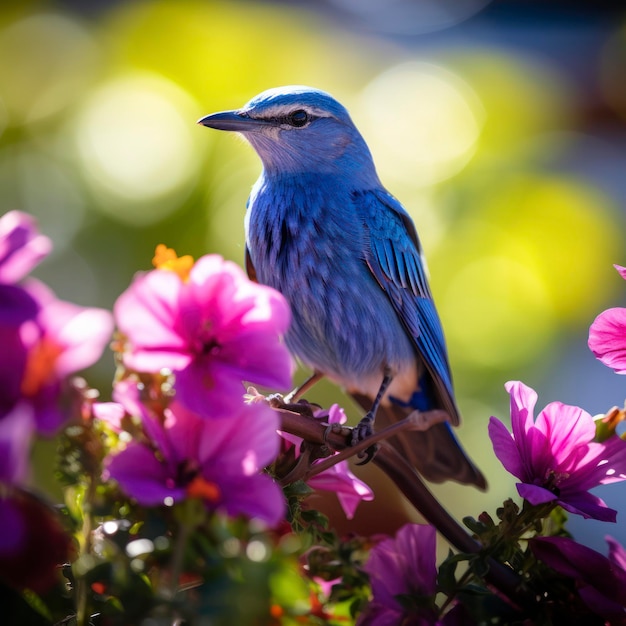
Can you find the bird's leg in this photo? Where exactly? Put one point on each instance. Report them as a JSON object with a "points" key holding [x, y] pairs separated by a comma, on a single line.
{"points": [[290, 403], [365, 427]]}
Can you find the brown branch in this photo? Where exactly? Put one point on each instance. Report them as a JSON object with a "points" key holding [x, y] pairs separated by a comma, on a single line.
{"points": [[415, 421], [410, 484]]}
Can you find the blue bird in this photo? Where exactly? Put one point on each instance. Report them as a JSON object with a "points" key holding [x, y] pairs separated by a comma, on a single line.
{"points": [[322, 230]]}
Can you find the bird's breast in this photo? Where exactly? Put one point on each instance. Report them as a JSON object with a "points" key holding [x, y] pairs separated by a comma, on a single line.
{"points": [[310, 246]]}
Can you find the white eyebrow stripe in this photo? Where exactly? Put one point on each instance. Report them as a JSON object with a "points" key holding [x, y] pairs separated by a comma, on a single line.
{"points": [[283, 110]]}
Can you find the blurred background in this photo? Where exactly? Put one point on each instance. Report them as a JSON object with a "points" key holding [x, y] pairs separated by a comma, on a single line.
{"points": [[501, 126]]}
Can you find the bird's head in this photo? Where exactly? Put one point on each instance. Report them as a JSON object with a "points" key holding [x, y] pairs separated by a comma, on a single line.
{"points": [[299, 129]]}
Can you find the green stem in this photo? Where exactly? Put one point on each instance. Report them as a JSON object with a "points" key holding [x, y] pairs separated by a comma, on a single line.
{"points": [[178, 557], [189, 515], [83, 612]]}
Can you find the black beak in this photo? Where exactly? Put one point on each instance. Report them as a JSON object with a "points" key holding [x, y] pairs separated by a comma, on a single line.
{"points": [[232, 120]]}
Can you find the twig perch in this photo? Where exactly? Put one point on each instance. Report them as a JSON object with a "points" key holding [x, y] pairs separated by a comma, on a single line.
{"points": [[316, 432]]}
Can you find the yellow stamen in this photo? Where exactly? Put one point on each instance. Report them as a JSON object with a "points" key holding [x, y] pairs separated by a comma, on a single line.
{"points": [[166, 259]]}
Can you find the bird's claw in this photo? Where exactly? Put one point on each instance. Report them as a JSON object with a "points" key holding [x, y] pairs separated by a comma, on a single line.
{"points": [[367, 455], [336, 429], [363, 430]]}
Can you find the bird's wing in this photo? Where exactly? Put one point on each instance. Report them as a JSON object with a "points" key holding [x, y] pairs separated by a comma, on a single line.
{"points": [[394, 257]]}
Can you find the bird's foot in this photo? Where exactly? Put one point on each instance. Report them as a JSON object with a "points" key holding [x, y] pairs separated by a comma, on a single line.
{"points": [[362, 431], [336, 429]]}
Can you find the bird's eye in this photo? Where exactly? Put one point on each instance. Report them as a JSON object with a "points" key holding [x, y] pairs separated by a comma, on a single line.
{"points": [[298, 118]]}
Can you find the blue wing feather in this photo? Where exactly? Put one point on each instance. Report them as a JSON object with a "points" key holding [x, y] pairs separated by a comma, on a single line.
{"points": [[395, 259]]}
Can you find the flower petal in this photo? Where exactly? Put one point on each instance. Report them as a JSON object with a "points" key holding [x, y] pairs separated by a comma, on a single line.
{"points": [[535, 494], [602, 584], [21, 246], [523, 400], [16, 431], [350, 490], [617, 552], [243, 444], [256, 496], [506, 449], [141, 476], [568, 430], [586, 504], [621, 270], [148, 314], [607, 338], [209, 389]]}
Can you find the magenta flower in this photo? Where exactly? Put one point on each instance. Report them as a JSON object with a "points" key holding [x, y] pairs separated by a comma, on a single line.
{"points": [[555, 456], [16, 430], [601, 581], [21, 246], [607, 335], [400, 569], [349, 489], [617, 553], [214, 330], [63, 339], [43, 339], [32, 540], [219, 461], [17, 307]]}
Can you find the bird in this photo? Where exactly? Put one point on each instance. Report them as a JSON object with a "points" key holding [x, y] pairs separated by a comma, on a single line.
{"points": [[321, 228]]}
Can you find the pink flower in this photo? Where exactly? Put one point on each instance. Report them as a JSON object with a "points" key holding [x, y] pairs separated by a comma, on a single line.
{"points": [[21, 246], [617, 553], [607, 335], [33, 542], [555, 456], [63, 339], [405, 567], [16, 430], [349, 489], [213, 328], [44, 339], [218, 461], [600, 581], [17, 307]]}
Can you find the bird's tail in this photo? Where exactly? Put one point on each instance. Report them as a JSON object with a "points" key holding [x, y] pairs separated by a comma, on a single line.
{"points": [[435, 453]]}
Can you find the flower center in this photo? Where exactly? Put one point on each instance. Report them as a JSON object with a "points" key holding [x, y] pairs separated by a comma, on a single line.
{"points": [[207, 343], [196, 486], [40, 366], [203, 489], [553, 480], [210, 347]]}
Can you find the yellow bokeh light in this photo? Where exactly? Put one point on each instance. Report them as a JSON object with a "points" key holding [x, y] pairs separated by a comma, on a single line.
{"points": [[225, 52], [568, 233], [521, 98], [532, 260], [52, 58], [506, 314], [137, 143], [421, 121]]}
